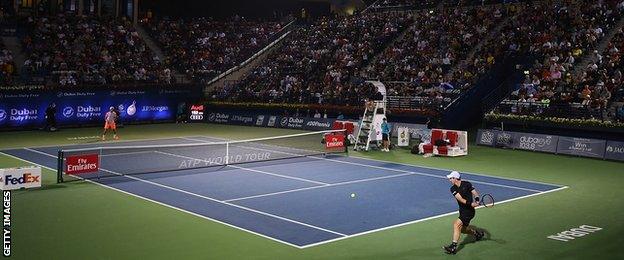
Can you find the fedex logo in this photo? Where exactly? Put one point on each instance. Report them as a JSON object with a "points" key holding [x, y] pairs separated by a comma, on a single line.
{"points": [[26, 178]]}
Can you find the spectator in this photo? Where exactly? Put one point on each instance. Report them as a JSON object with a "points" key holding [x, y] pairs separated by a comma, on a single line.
{"points": [[317, 114]]}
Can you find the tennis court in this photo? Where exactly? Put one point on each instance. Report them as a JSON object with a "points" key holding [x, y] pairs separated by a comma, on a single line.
{"points": [[302, 200]]}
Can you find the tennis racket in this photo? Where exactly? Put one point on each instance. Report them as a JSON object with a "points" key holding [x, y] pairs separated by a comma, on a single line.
{"points": [[487, 200]]}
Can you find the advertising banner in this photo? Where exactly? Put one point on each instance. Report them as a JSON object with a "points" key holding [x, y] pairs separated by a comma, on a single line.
{"points": [[594, 148], [403, 136], [27, 108], [581, 146], [306, 123], [334, 141], [535, 142], [18, 178], [251, 119], [486, 137], [197, 113], [504, 139], [84, 163], [416, 131], [614, 151]]}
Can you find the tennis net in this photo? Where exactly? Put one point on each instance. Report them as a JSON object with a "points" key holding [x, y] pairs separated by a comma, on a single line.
{"points": [[106, 161]]}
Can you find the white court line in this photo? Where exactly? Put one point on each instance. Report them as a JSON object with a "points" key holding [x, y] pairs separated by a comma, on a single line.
{"points": [[430, 175], [269, 145], [162, 204], [128, 153], [279, 175], [211, 199], [391, 169], [101, 155], [424, 219], [404, 164], [318, 187], [39, 152], [470, 173], [190, 138], [103, 142], [384, 228], [247, 169], [226, 203]]}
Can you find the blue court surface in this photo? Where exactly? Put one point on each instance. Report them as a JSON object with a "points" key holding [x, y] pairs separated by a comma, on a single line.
{"points": [[301, 202]]}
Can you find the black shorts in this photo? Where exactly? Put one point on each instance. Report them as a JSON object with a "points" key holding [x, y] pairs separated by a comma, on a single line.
{"points": [[384, 137], [465, 216]]}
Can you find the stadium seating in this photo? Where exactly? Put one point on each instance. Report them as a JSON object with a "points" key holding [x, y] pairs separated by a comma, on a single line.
{"points": [[423, 54], [434, 44], [204, 47], [7, 66], [70, 50], [556, 85], [319, 63]]}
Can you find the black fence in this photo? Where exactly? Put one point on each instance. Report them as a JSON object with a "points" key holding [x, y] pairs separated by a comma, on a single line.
{"points": [[547, 109]]}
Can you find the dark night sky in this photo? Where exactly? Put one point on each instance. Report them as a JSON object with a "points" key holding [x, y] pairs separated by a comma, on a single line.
{"points": [[228, 8]]}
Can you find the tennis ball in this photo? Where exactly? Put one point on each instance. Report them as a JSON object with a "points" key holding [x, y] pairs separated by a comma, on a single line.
{"points": [[352, 195]]}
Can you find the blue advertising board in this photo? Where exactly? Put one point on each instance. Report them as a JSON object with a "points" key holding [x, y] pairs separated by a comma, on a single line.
{"points": [[496, 138], [615, 150], [581, 146], [26, 108], [253, 119], [595, 148]]}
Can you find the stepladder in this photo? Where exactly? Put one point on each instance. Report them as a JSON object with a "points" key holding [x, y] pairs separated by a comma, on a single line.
{"points": [[369, 128]]}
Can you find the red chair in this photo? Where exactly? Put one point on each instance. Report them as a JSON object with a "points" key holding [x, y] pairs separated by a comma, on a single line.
{"points": [[452, 137], [337, 125], [350, 127], [428, 148], [435, 135]]}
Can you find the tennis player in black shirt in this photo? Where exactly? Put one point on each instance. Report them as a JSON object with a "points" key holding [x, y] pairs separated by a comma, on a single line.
{"points": [[464, 193]]}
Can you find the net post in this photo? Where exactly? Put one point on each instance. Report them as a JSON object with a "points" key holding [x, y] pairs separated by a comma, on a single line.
{"points": [[59, 167], [99, 162], [227, 153], [346, 139]]}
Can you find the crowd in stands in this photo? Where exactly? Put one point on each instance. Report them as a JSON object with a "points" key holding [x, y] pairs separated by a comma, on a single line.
{"points": [[433, 53], [421, 4], [437, 57], [7, 66], [404, 3], [432, 46], [67, 49], [559, 45], [203, 47], [319, 63]]}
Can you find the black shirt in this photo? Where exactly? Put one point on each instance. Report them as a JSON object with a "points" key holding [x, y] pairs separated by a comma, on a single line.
{"points": [[465, 190], [50, 114]]}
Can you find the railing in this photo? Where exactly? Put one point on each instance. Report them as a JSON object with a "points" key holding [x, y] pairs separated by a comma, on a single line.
{"points": [[416, 102], [262, 51], [547, 109], [79, 86]]}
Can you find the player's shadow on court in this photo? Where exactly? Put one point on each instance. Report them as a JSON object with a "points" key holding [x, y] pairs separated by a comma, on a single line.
{"points": [[487, 237]]}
